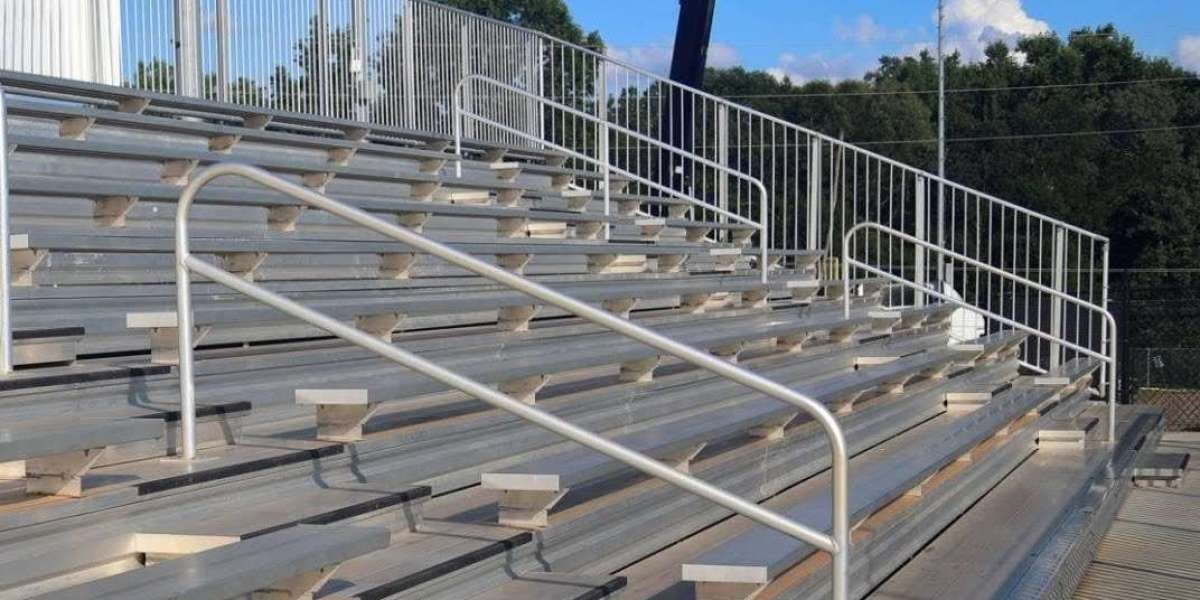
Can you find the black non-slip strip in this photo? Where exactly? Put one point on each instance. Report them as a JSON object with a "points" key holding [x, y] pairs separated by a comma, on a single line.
{"points": [[613, 586], [444, 568], [51, 332], [23, 383], [170, 483], [346, 512], [204, 410]]}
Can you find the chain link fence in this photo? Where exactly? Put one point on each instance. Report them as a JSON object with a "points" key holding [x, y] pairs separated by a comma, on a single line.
{"points": [[1159, 320]]}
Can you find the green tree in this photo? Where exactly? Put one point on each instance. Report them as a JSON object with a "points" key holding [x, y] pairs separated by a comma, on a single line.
{"points": [[1140, 189]]}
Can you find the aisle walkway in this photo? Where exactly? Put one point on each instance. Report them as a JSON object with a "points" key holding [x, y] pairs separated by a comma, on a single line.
{"points": [[1152, 550]]}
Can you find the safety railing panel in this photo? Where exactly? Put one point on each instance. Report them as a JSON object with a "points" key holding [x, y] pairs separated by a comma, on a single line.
{"points": [[837, 543], [482, 102], [818, 186], [1020, 301]]}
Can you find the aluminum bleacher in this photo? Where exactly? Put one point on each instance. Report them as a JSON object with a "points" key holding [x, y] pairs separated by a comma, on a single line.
{"points": [[326, 470]]}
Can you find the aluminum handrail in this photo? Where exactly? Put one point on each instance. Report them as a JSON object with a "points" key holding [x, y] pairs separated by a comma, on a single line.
{"points": [[1110, 359], [606, 58], [6, 337], [837, 543], [459, 113]]}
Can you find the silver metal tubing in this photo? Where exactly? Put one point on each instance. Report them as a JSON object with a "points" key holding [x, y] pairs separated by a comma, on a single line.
{"points": [[837, 544], [6, 338], [1109, 359], [460, 113]]}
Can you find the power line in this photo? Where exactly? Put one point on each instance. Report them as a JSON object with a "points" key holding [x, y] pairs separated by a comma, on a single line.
{"points": [[1030, 136], [966, 90]]}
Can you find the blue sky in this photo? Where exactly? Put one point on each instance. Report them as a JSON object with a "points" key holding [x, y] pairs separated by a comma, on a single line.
{"points": [[838, 39]]}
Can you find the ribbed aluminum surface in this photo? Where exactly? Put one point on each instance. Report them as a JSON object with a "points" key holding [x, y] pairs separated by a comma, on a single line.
{"points": [[1152, 551]]}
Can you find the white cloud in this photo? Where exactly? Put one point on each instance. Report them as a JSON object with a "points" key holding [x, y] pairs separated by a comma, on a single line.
{"points": [[972, 25], [723, 56], [656, 58], [863, 30], [1187, 52], [801, 69]]}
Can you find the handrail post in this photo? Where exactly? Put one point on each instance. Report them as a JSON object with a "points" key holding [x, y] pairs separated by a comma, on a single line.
{"points": [[457, 119], [1058, 281], [183, 311], [6, 339], [603, 152], [919, 260]]}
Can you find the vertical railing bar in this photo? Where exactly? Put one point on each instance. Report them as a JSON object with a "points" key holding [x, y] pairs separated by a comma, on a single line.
{"points": [[6, 329]]}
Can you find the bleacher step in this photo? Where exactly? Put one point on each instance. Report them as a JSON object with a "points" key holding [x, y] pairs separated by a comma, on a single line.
{"points": [[436, 551], [1161, 469], [45, 346], [558, 586]]}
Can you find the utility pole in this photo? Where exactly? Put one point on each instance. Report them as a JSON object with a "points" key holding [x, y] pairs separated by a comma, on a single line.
{"points": [[941, 20], [942, 276]]}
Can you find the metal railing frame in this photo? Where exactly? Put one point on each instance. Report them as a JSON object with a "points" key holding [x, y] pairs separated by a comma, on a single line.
{"points": [[1109, 359], [809, 205], [604, 163], [6, 329], [837, 543], [758, 114]]}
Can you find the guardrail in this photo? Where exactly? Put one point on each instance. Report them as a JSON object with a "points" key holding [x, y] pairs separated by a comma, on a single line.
{"points": [[967, 264], [603, 159], [837, 543], [818, 186]]}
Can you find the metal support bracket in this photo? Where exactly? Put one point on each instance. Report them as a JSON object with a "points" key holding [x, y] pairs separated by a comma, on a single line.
{"points": [[75, 128], [528, 509], [340, 157], [525, 389], [424, 191], [111, 211], [671, 263], [341, 414], [619, 306], [53, 475], [164, 342], [590, 230], [773, 430], [515, 263], [506, 171], [242, 264], [696, 235], [413, 220], [24, 263], [223, 144], [283, 218], [617, 263], [516, 318], [380, 325], [639, 371], [397, 265], [177, 172]]}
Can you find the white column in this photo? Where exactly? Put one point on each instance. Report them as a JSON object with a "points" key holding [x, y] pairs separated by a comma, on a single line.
{"points": [[59, 39]]}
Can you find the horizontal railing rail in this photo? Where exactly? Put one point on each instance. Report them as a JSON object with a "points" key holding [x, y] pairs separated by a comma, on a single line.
{"points": [[837, 543], [603, 160], [1108, 358]]}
